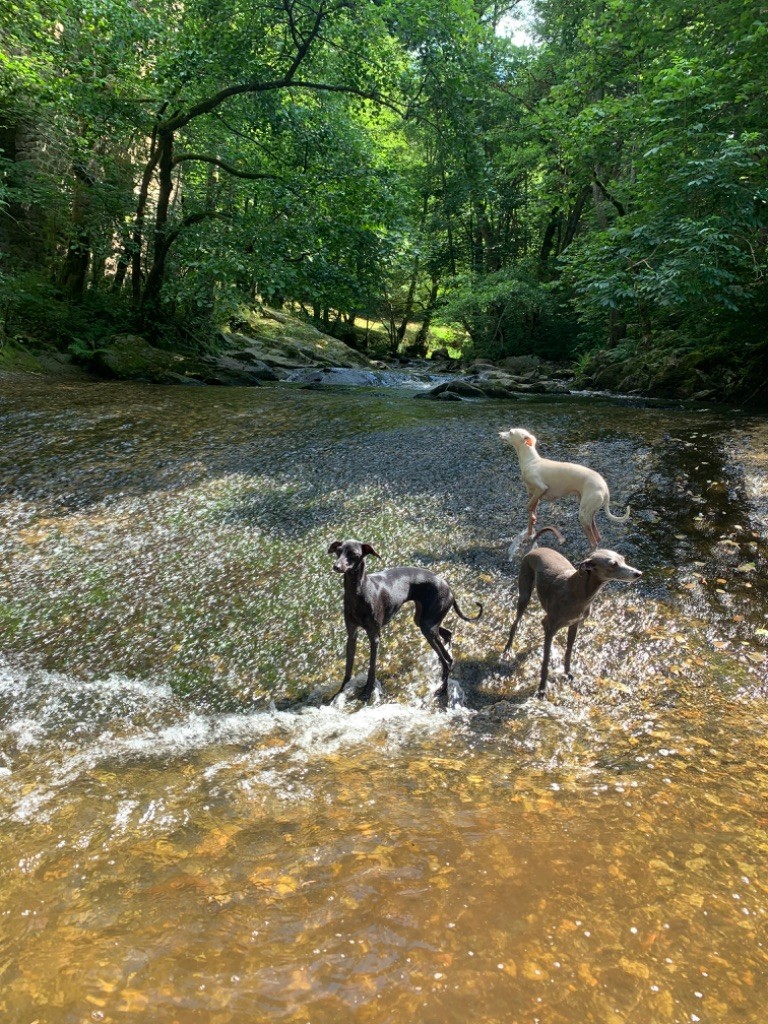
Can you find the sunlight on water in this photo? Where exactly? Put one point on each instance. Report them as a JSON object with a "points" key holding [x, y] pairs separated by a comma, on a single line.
{"points": [[192, 833]]}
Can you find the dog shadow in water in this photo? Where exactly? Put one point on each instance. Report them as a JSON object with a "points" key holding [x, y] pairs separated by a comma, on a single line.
{"points": [[484, 682]]}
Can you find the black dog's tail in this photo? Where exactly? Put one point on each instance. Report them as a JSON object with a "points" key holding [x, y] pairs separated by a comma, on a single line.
{"points": [[467, 618]]}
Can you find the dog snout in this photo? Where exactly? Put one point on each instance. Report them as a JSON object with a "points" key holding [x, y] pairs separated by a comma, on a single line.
{"points": [[629, 574], [339, 565]]}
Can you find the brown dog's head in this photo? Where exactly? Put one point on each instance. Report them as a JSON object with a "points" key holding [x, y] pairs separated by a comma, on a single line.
{"points": [[609, 565]]}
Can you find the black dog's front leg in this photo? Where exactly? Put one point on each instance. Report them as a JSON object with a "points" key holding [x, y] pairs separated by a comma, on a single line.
{"points": [[370, 682], [351, 649]]}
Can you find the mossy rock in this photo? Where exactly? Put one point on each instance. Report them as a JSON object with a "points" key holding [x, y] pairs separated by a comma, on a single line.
{"points": [[17, 360], [131, 357], [284, 341]]}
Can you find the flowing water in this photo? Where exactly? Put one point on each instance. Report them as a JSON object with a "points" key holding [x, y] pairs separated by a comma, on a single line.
{"points": [[190, 834]]}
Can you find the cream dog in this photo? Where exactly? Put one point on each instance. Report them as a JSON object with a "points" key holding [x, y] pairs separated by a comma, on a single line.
{"points": [[546, 479]]}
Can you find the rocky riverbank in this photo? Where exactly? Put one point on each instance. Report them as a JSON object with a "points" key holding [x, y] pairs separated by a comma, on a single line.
{"points": [[273, 346]]}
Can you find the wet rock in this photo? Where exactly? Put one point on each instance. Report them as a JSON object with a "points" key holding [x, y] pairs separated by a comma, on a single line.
{"points": [[244, 366], [16, 357], [496, 385], [452, 390], [522, 364], [335, 375], [440, 355], [506, 381], [131, 357], [62, 364], [188, 380]]}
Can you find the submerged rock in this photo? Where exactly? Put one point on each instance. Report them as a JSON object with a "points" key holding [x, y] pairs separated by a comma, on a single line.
{"points": [[334, 375], [244, 364], [454, 391], [489, 382]]}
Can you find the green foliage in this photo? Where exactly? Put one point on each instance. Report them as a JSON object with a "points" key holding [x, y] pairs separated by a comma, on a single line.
{"points": [[659, 114], [33, 310], [501, 313], [605, 189]]}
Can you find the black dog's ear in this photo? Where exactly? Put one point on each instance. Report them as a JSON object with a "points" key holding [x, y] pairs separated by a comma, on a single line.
{"points": [[334, 548], [586, 567], [368, 549]]}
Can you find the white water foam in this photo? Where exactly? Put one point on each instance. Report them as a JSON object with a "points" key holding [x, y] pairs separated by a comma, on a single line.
{"points": [[60, 729]]}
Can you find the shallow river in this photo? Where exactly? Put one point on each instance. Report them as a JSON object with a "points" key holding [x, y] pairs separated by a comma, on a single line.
{"points": [[190, 834]]}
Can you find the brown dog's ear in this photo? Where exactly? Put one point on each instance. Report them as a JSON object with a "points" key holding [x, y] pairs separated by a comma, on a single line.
{"points": [[368, 549], [334, 548], [586, 567]]}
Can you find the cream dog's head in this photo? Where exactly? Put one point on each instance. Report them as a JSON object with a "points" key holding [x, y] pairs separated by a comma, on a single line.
{"points": [[518, 438]]}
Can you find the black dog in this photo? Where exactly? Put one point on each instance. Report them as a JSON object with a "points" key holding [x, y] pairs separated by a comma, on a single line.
{"points": [[371, 601]]}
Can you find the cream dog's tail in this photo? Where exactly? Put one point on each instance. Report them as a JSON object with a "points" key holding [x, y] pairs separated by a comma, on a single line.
{"points": [[616, 519]]}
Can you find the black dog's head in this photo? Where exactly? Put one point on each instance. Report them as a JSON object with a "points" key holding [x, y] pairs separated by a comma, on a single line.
{"points": [[350, 554]]}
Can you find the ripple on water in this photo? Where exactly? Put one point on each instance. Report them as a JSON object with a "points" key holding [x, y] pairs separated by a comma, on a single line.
{"points": [[174, 845]]}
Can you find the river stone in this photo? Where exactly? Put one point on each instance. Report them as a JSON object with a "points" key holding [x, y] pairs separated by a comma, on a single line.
{"points": [[471, 387], [451, 390], [245, 365], [493, 390], [463, 388], [336, 375], [522, 364]]}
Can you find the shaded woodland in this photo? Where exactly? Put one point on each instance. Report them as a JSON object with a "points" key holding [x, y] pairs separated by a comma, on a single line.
{"points": [[597, 194]]}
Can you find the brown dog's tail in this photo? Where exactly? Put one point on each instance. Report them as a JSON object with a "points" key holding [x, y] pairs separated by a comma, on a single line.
{"points": [[549, 529], [467, 618]]}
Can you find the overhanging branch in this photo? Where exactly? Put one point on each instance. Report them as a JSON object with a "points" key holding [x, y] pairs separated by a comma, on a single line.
{"points": [[192, 218], [236, 172]]}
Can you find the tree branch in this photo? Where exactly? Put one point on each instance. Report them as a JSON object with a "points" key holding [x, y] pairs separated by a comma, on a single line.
{"points": [[614, 202], [203, 158], [192, 218], [206, 106]]}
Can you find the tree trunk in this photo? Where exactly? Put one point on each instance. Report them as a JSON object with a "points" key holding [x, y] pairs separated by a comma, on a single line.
{"points": [[78, 256], [150, 299], [574, 217], [419, 346], [408, 311]]}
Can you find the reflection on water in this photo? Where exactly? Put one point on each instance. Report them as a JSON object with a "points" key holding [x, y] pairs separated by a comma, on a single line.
{"points": [[191, 834]]}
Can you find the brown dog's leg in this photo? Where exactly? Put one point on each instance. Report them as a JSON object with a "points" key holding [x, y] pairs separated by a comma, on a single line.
{"points": [[548, 634], [572, 631]]}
